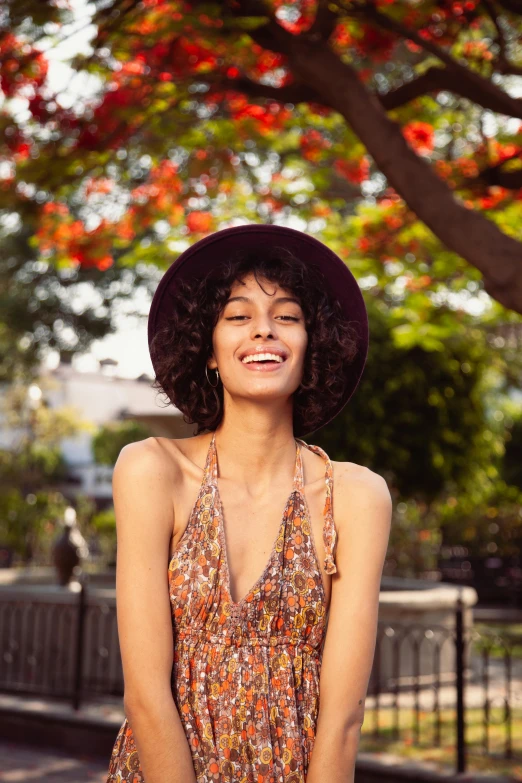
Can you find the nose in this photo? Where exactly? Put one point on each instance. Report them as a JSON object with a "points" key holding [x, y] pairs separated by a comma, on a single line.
{"points": [[262, 326]]}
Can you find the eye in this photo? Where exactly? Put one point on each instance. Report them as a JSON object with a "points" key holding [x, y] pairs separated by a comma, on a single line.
{"points": [[236, 317]]}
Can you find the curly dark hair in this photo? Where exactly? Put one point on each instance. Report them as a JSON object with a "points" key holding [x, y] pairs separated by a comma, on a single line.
{"points": [[183, 346]]}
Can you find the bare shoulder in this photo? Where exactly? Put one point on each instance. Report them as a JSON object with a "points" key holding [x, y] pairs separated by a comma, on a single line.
{"points": [[182, 453], [144, 482], [157, 457], [350, 475], [144, 460], [159, 471], [360, 494]]}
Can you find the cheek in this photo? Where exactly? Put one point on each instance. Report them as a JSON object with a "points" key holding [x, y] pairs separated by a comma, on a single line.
{"points": [[224, 344], [303, 345]]}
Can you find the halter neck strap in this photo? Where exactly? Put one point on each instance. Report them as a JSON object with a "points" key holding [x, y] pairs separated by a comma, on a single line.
{"points": [[329, 531], [211, 465], [211, 462]]}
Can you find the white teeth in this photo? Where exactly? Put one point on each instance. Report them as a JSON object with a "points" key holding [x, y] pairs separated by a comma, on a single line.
{"points": [[259, 357]]}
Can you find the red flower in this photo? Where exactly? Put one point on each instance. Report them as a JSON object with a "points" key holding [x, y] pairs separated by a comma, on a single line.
{"points": [[353, 170], [419, 135], [199, 222]]}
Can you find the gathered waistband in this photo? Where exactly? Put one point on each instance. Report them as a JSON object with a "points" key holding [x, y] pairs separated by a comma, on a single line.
{"points": [[241, 639]]}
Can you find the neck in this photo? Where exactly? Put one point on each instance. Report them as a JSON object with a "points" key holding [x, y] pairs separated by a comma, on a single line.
{"points": [[256, 456]]}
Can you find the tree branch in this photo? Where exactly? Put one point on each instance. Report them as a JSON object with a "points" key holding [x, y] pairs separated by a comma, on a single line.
{"points": [[292, 93], [435, 79], [325, 22], [270, 36], [458, 78], [495, 176], [465, 231], [432, 80]]}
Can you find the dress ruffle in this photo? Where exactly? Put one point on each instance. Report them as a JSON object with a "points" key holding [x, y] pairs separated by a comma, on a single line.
{"points": [[329, 565]]}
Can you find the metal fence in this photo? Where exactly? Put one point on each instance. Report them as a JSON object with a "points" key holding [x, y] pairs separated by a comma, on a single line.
{"points": [[70, 651], [62, 649], [486, 666]]}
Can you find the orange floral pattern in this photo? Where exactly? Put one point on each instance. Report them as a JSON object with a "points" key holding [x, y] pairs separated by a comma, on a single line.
{"points": [[245, 678]]}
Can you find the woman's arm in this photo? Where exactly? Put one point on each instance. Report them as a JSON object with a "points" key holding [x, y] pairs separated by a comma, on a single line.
{"points": [[142, 490], [362, 509]]}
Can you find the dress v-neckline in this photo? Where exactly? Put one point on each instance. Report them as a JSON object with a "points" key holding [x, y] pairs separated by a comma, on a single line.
{"points": [[212, 478]]}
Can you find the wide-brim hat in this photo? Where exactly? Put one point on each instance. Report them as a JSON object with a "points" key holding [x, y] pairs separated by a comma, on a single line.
{"points": [[204, 255]]}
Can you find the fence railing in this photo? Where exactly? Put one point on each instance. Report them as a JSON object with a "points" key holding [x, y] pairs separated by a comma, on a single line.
{"points": [[65, 646]]}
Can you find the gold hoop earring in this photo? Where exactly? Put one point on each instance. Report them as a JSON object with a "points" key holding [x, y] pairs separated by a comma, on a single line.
{"points": [[214, 385]]}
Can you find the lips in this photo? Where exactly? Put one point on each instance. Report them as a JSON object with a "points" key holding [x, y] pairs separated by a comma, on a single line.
{"points": [[263, 365], [269, 366]]}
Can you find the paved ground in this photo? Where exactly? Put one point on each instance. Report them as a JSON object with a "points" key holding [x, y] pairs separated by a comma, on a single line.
{"points": [[25, 764]]}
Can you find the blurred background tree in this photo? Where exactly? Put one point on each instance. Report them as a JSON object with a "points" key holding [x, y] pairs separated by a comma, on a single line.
{"points": [[31, 468], [111, 438]]}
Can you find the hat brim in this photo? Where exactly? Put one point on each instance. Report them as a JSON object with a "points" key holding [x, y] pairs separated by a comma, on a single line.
{"points": [[207, 253]]}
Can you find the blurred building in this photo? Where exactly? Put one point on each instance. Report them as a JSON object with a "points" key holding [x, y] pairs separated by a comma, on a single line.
{"points": [[102, 397]]}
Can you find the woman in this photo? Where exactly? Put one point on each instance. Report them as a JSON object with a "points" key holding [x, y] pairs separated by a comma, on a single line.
{"points": [[258, 334]]}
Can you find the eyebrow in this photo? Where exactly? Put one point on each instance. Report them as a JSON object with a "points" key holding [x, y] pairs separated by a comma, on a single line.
{"points": [[277, 299]]}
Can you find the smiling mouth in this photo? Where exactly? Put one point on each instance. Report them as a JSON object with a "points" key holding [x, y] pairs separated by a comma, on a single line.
{"points": [[263, 359], [263, 362]]}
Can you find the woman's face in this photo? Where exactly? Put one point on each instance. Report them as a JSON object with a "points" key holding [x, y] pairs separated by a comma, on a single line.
{"points": [[254, 323]]}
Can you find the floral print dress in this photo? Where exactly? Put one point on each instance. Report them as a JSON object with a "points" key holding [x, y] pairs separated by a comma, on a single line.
{"points": [[245, 677]]}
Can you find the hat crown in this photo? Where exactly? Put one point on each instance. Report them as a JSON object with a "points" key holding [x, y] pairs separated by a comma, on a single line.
{"points": [[213, 249]]}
